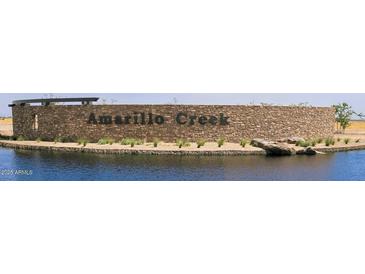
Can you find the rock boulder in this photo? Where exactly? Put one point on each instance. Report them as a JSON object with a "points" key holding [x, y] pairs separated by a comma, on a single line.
{"points": [[291, 140], [273, 148], [306, 151]]}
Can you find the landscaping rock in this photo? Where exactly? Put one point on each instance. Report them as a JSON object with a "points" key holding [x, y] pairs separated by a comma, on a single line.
{"points": [[306, 151], [294, 140], [273, 148], [259, 143]]}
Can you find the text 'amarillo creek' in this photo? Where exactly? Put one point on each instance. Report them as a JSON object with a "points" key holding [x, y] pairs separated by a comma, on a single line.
{"points": [[142, 118]]}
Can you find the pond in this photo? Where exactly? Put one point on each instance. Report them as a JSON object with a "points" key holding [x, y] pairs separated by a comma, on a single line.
{"points": [[64, 166]]}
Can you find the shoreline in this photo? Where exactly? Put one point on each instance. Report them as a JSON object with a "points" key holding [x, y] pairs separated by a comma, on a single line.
{"points": [[228, 149]]}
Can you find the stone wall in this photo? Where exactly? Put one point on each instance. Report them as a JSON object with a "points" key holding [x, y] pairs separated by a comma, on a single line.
{"points": [[169, 122]]}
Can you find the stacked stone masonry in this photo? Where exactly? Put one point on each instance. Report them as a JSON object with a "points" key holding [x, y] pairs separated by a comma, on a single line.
{"points": [[209, 122]]}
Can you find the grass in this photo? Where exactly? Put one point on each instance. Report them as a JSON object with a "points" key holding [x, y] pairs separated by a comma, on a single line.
{"points": [[319, 140], [182, 143], [220, 142], [346, 140], [243, 142], [38, 139], [200, 143], [82, 141]]}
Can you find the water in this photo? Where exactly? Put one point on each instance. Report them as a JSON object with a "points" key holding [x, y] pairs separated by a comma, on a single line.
{"points": [[42, 165]]}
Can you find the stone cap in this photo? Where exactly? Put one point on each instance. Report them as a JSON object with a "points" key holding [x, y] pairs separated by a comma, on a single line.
{"points": [[47, 102]]}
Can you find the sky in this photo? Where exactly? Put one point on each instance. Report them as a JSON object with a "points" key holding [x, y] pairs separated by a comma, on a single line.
{"points": [[356, 100]]}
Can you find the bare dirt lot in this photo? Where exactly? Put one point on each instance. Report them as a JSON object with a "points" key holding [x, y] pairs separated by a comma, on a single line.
{"points": [[6, 126]]}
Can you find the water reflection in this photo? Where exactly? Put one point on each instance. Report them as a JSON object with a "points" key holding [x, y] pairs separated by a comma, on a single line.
{"points": [[84, 166]]}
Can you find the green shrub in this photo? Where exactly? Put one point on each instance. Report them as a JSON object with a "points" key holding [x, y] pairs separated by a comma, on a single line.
{"points": [[305, 143], [65, 139], [220, 142], [82, 141], [200, 143], [38, 139], [106, 141], [126, 141], [58, 140], [243, 142], [103, 141], [358, 140], [329, 141], [20, 138], [346, 140], [2, 137], [182, 143], [319, 140], [139, 141], [131, 142], [156, 141], [313, 142]]}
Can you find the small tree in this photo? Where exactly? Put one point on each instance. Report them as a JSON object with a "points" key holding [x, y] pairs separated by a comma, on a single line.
{"points": [[344, 113]]}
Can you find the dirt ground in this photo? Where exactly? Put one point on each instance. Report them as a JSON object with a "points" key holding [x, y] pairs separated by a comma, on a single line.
{"points": [[6, 126]]}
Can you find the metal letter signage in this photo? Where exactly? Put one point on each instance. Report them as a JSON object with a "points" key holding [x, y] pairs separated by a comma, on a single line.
{"points": [[141, 118]]}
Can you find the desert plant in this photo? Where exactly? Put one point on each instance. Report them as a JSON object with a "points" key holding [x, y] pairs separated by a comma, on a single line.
{"points": [[243, 142], [106, 141], [139, 141], [156, 141], [102, 141], [126, 141], [20, 138], [2, 137], [344, 113], [82, 141], [182, 143], [58, 140], [357, 140], [346, 140], [200, 143], [131, 141], [338, 139], [302, 143], [330, 141], [220, 142], [67, 139], [313, 142], [319, 140]]}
